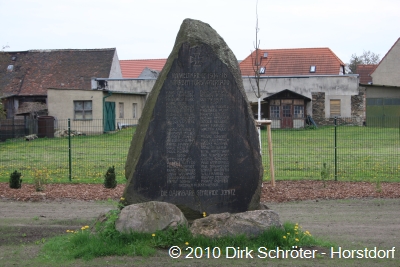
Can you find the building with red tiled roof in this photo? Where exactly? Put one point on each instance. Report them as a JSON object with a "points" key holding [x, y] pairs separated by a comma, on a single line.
{"points": [[297, 83], [364, 72], [25, 76], [289, 62], [134, 67]]}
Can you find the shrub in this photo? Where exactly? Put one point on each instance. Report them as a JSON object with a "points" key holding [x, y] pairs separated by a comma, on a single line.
{"points": [[15, 180], [40, 178], [110, 178]]}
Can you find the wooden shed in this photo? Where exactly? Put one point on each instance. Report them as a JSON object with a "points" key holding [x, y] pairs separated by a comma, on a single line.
{"points": [[286, 109]]}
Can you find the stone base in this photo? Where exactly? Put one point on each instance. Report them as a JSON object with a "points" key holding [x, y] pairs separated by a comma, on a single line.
{"points": [[250, 223]]}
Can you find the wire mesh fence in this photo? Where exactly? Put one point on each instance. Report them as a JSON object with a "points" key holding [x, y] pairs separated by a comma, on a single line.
{"points": [[350, 152], [83, 152]]}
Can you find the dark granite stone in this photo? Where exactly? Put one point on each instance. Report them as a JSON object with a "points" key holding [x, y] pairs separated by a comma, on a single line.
{"points": [[196, 145]]}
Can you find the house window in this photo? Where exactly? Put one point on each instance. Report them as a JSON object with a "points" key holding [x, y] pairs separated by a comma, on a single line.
{"points": [[83, 110], [335, 107], [286, 111], [275, 111], [299, 111], [134, 108], [313, 68], [121, 110]]}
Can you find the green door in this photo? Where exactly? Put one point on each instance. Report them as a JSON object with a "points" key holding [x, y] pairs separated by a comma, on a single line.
{"points": [[109, 116]]}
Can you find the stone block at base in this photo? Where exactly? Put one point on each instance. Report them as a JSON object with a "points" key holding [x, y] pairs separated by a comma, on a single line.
{"points": [[250, 223], [149, 217]]}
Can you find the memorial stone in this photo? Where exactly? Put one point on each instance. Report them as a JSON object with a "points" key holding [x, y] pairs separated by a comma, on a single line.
{"points": [[196, 144]]}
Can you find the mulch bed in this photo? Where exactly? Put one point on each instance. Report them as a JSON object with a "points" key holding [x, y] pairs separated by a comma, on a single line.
{"points": [[282, 192]]}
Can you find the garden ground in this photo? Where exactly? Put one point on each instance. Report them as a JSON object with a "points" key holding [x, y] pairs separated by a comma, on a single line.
{"points": [[352, 215]]}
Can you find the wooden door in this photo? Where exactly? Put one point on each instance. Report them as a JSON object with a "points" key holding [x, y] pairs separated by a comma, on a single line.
{"points": [[287, 116], [109, 116]]}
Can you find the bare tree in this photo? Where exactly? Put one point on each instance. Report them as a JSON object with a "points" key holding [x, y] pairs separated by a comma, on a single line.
{"points": [[4, 47], [258, 68], [367, 58]]}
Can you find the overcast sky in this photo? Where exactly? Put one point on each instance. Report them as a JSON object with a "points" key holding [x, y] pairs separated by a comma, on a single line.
{"points": [[144, 29]]}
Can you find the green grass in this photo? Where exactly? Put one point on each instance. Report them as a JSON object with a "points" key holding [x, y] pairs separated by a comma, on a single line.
{"points": [[91, 157], [363, 154], [84, 244]]}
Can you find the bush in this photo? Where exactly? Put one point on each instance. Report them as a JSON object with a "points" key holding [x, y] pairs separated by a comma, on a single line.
{"points": [[110, 178], [15, 180], [40, 179]]}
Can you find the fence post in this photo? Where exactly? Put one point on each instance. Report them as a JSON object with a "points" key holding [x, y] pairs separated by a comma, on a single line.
{"points": [[69, 150], [335, 149]]}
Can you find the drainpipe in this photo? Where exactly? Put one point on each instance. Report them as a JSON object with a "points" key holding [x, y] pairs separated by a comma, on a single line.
{"points": [[104, 109]]}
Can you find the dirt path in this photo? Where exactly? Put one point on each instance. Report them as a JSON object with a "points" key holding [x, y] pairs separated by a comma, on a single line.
{"points": [[350, 223], [30, 222]]}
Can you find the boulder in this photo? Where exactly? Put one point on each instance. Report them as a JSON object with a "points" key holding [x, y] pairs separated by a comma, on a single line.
{"points": [[250, 223], [196, 145], [149, 217]]}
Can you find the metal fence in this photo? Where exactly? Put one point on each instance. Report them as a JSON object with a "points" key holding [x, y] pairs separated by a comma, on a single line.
{"points": [[82, 152], [349, 151]]}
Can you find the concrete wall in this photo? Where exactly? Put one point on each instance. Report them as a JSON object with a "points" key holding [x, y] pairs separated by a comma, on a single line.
{"points": [[382, 92], [128, 101], [388, 70], [345, 105], [60, 102], [131, 85], [61, 106]]}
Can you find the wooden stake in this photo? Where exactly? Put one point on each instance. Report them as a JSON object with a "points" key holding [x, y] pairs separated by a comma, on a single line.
{"points": [[271, 158]]}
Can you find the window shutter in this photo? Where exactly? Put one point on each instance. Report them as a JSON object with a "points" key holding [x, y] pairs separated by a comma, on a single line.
{"points": [[335, 107]]}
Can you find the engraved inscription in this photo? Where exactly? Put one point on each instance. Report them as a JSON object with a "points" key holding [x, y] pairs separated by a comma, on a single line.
{"points": [[180, 136], [213, 119], [217, 192]]}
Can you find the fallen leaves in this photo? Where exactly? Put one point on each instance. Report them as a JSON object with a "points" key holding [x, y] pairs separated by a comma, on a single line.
{"points": [[283, 191]]}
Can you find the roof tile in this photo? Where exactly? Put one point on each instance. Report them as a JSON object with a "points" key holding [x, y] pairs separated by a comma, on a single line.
{"points": [[133, 68], [296, 61], [36, 70], [364, 71]]}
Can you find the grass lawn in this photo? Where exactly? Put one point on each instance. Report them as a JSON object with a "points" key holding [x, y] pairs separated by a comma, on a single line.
{"points": [[363, 154]]}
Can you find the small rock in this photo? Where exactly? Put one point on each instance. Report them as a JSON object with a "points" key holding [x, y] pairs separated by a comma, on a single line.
{"points": [[31, 137]]}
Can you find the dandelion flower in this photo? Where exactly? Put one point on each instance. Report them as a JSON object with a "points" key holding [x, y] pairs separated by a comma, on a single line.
{"points": [[122, 199], [153, 235], [187, 243], [284, 237], [297, 240]]}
